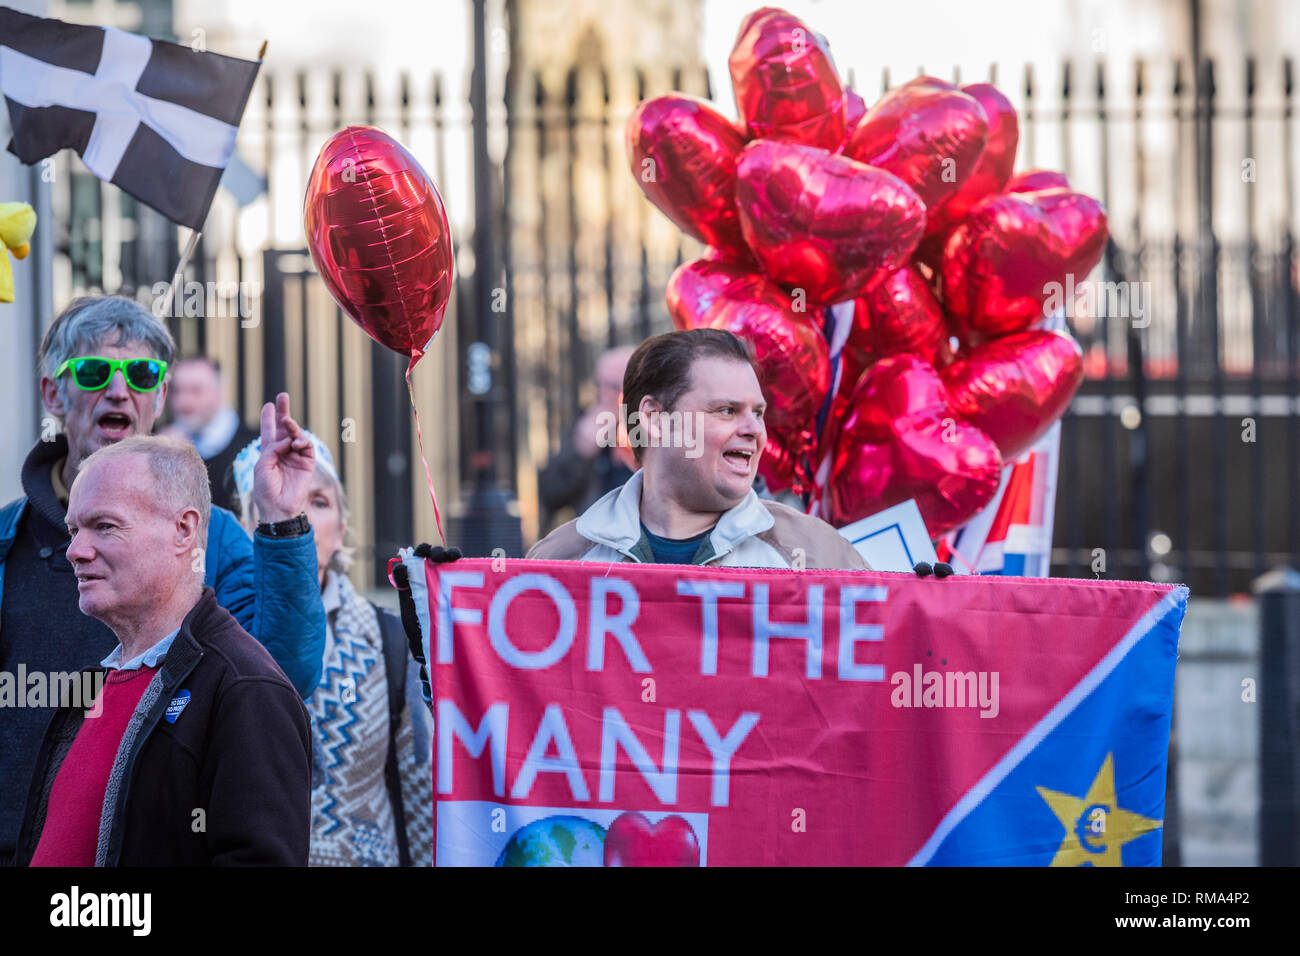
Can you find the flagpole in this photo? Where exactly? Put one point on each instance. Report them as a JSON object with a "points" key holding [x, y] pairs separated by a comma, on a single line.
{"points": [[180, 270]]}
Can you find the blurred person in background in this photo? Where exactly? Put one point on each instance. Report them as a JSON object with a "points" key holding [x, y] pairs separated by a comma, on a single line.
{"points": [[372, 774], [202, 416], [103, 378], [584, 469]]}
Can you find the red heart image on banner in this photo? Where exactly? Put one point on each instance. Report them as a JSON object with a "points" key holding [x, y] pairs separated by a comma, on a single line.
{"points": [[821, 223], [785, 83], [992, 169], [1014, 387], [683, 154], [633, 841], [902, 441], [1013, 253], [926, 132]]}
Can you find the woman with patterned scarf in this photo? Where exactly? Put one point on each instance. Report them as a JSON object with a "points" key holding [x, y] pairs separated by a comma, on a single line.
{"points": [[372, 780]]}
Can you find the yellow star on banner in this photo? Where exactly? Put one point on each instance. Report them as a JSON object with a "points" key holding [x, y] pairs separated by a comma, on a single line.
{"points": [[1096, 828]]}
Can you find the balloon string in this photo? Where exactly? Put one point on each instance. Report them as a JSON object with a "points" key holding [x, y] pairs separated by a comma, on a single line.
{"points": [[419, 438]]}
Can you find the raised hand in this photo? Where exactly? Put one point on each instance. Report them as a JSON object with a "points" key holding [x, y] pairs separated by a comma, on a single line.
{"points": [[283, 473]]}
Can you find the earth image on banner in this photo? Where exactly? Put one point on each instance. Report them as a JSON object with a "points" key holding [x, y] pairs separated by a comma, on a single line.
{"points": [[629, 839], [555, 841]]}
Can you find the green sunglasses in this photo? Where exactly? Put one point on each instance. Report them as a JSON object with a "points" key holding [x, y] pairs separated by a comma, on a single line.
{"points": [[91, 373]]}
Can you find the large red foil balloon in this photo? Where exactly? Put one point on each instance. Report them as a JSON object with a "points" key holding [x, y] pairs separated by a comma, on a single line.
{"points": [[927, 133], [900, 315], [822, 223], [378, 234], [901, 440], [855, 107], [695, 286], [785, 81], [995, 163], [1036, 180], [683, 155], [1012, 254], [1015, 387], [795, 366]]}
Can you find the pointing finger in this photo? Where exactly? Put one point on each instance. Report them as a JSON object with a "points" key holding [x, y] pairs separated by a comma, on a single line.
{"points": [[268, 425]]}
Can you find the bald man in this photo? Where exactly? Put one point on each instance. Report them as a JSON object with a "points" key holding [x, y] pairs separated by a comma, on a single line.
{"points": [[198, 753]]}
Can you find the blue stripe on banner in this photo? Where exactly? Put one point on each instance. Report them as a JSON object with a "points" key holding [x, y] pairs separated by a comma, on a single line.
{"points": [[1013, 565], [828, 332], [1112, 746]]}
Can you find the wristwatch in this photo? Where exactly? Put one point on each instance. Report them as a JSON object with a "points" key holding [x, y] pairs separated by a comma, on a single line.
{"points": [[289, 528]]}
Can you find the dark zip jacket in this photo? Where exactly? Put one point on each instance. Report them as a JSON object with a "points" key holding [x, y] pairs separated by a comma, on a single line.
{"points": [[227, 782]]}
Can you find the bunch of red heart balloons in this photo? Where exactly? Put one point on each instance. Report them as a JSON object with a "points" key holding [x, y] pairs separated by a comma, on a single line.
{"points": [[889, 270]]}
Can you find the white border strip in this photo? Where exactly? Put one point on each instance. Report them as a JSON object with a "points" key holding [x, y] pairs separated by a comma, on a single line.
{"points": [[989, 782], [415, 571]]}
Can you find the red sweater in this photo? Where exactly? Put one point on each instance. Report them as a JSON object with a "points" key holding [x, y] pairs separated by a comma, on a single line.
{"points": [[71, 833]]}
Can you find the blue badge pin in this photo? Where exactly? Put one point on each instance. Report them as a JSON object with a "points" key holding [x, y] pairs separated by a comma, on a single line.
{"points": [[176, 706]]}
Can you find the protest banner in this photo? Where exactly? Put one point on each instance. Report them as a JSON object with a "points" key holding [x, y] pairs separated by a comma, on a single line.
{"points": [[639, 714]]}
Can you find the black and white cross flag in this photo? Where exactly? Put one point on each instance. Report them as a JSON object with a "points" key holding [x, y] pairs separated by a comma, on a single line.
{"points": [[156, 119]]}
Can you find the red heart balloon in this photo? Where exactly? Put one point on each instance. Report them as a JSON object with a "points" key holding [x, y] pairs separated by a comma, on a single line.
{"points": [[632, 840], [1013, 252], [683, 154], [794, 365], [784, 80], [1036, 180], [926, 132], [378, 234], [1013, 388], [855, 107], [901, 314], [695, 286], [900, 441], [992, 169], [821, 223]]}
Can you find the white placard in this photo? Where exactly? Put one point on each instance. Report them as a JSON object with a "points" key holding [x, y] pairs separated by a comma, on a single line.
{"points": [[892, 540]]}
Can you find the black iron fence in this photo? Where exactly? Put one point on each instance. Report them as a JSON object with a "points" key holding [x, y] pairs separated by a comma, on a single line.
{"points": [[1180, 458]]}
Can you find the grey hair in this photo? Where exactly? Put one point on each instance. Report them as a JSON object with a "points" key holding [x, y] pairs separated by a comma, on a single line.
{"points": [[94, 320], [180, 477]]}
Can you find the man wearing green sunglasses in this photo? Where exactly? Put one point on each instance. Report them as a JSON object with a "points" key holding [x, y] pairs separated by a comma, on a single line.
{"points": [[93, 372], [104, 364]]}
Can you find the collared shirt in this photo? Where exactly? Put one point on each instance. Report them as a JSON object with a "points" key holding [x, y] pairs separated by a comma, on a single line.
{"points": [[213, 438], [149, 658]]}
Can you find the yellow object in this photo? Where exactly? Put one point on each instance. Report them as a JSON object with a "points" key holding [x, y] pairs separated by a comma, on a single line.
{"points": [[17, 223]]}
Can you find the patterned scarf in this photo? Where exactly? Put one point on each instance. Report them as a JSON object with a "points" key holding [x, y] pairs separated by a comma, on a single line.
{"points": [[352, 816]]}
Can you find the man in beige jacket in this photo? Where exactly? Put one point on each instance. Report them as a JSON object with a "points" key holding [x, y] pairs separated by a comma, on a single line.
{"points": [[695, 422]]}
